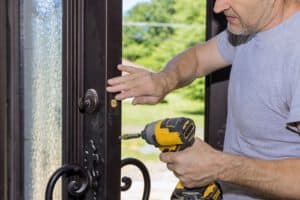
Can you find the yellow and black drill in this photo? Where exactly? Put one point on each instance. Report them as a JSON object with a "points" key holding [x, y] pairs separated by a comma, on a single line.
{"points": [[176, 134]]}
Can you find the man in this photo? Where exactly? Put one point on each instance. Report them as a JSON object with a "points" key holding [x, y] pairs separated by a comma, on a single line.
{"points": [[261, 158]]}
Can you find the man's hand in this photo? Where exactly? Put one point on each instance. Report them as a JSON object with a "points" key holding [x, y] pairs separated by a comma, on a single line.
{"points": [[200, 165], [144, 86], [195, 166], [147, 87]]}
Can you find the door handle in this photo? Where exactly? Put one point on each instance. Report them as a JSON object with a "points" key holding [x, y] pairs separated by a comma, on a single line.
{"points": [[90, 102]]}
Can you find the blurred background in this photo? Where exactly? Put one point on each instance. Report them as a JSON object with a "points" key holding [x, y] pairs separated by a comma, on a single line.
{"points": [[153, 32]]}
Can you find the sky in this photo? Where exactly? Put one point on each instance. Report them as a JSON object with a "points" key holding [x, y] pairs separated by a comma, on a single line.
{"points": [[128, 4]]}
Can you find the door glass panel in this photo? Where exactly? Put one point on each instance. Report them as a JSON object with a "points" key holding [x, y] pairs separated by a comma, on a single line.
{"points": [[41, 37]]}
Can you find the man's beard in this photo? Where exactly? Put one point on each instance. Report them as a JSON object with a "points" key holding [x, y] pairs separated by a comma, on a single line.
{"points": [[236, 40], [240, 37]]}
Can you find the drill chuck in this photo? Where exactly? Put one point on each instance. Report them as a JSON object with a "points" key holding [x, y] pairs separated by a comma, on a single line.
{"points": [[148, 134]]}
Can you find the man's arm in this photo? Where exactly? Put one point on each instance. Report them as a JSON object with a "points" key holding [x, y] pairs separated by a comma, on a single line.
{"points": [[278, 179], [195, 62], [147, 87], [201, 165]]}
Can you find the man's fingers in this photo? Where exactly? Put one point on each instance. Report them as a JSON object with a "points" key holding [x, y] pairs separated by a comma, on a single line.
{"points": [[167, 157], [137, 83], [133, 89], [131, 74], [117, 80], [117, 88], [129, 69], [130, 85], [174, 168], [170, 166], [122, 79], [127, 94]]}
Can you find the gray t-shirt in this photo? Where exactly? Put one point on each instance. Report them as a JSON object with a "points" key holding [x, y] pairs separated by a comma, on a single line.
{"points": [[263, 96]]}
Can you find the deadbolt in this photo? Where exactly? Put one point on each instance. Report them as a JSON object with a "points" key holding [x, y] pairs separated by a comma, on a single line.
{"points": [[90, 102]]}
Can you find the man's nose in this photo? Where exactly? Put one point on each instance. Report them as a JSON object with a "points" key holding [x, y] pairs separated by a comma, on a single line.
{"points": [[221, 5]]}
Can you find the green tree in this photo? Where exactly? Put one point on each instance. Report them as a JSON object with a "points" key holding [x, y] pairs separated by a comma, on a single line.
{"points": [[153, 46]]}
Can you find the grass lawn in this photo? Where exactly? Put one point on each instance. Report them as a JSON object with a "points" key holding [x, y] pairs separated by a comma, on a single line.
{"points": [[134, 118], [176, 106]]}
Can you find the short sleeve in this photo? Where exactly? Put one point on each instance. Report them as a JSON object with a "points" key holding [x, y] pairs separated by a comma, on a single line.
{"points": [[294, 114], [226, 50]]}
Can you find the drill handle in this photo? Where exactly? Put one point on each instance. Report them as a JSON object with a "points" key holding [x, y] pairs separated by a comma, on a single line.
{"points": [[210, 192]]}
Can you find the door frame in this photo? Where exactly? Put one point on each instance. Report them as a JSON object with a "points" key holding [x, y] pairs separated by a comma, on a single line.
{"points": [[11, 124], [3, 100], [91, 51], [216, 85]]}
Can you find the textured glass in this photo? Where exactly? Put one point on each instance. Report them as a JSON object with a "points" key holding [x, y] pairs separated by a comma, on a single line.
{"points": [[42, 68]]}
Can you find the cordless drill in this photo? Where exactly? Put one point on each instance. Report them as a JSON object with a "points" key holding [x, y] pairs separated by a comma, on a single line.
{"points": [[171, 135]]}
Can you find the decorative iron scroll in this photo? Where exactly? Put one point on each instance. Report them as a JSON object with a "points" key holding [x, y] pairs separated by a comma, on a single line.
{"points": [[93, 164], [85, 179], [76, 187], [127, 181]]}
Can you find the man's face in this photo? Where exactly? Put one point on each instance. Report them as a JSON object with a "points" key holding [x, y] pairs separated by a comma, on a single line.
{"points": [[245, 17]]}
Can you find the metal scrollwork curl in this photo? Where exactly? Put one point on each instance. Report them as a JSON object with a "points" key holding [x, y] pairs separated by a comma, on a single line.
{"points": [[127, 181], [77, 187]]}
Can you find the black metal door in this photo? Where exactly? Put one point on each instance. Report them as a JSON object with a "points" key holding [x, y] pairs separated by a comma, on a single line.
{"points": [[89, 51], [216, 87], [93, 50]]}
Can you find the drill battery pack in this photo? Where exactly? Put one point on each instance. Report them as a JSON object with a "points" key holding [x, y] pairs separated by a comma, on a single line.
{"points": [[210, 192]]}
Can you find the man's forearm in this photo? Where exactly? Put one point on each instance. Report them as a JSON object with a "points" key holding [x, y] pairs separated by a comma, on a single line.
{"points": [[278, 179], [181, 70], [195, 62]]}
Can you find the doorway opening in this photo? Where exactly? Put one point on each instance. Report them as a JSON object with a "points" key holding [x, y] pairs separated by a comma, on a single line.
{"points": [[153, 32]]}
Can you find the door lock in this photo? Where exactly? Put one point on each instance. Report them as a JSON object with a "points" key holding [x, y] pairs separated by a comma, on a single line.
{"points": [[89, 103]]}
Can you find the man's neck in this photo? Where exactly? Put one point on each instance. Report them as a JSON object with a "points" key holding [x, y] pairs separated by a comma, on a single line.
{"points": [[282, 10]]}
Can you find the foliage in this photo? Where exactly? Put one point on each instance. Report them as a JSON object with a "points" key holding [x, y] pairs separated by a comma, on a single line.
{"points": [[153, 46], [194, 90]]}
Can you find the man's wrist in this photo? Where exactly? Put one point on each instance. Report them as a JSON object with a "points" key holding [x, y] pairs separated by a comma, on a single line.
{"points": [[168, 82], [230, 167]]}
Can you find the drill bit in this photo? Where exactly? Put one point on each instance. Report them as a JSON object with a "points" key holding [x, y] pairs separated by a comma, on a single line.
{"points": [[129, 136]]}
